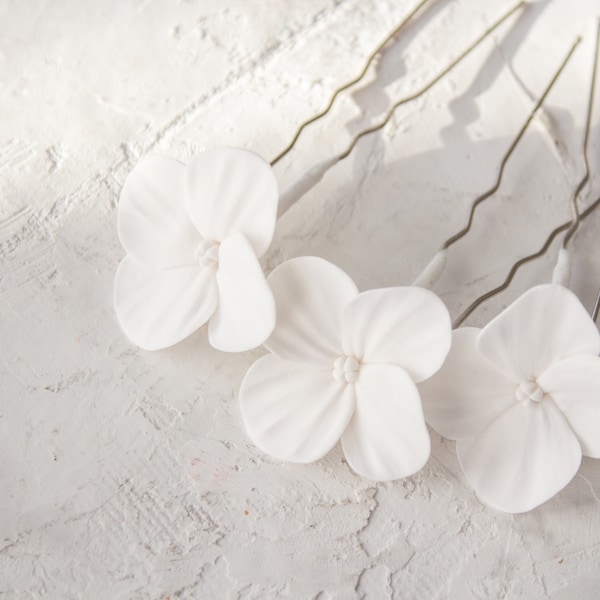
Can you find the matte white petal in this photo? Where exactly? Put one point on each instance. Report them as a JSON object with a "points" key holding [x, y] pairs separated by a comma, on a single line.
{"points": [[574, 385], [245, 316], [546, 324], [523, 458], [230, 190], [294, 412], [153, 223], [157, 308], [386, 437], [468, 392], [407, 326], [310, 295]]}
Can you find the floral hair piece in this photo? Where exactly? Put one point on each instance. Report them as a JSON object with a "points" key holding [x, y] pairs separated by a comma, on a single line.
{"points": [[521, 396]]}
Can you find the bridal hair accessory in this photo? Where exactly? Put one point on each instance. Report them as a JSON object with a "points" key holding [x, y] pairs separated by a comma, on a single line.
{"points": [[193, 236], [521, 396], [345, 365]]}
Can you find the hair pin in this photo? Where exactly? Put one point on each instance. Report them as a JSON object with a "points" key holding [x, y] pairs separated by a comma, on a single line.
{"points": [[520, 396], [521, 262], [342, 366]]}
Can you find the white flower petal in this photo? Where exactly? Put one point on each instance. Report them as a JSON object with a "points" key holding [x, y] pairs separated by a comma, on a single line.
{"points": [[157, 308], [310, 295], [545, 325], [574, 385], [245, 316], [406, 326], [523, 458], [468, 392], [386, 437], [153, 223], [294, 412], [230, 190]]}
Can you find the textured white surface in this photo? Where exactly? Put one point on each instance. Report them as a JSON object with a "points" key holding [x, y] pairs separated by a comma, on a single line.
{"points": [[126, 474]]}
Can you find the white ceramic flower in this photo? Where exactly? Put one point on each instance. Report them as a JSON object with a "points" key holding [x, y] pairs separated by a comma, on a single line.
{"points": [[522, 398], [344, 365], [193, 236]]}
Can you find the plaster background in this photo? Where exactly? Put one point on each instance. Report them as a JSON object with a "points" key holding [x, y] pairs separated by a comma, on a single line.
{"points": [[127, 474]]}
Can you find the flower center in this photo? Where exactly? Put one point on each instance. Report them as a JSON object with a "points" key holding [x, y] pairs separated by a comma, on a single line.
{"points": [[346, 368], [529, 390], [207, 253]]}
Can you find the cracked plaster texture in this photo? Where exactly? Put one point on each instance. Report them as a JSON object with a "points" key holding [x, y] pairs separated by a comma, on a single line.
{"points": [[127, 474]]}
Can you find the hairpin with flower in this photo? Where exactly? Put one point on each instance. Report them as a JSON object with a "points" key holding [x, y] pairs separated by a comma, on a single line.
{"points": [[521, 396], [343, 366], [194, 235]]}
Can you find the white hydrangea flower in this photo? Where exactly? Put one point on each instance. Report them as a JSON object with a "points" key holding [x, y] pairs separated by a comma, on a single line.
{"points": [[193, 236], [343, 365], [522, 398]]}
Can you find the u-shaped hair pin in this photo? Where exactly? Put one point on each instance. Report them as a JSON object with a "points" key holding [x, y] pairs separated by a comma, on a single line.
{"points": [[521, 395]]}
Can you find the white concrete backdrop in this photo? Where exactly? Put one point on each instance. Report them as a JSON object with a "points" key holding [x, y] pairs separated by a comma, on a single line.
{"points": [[127, 474]]}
